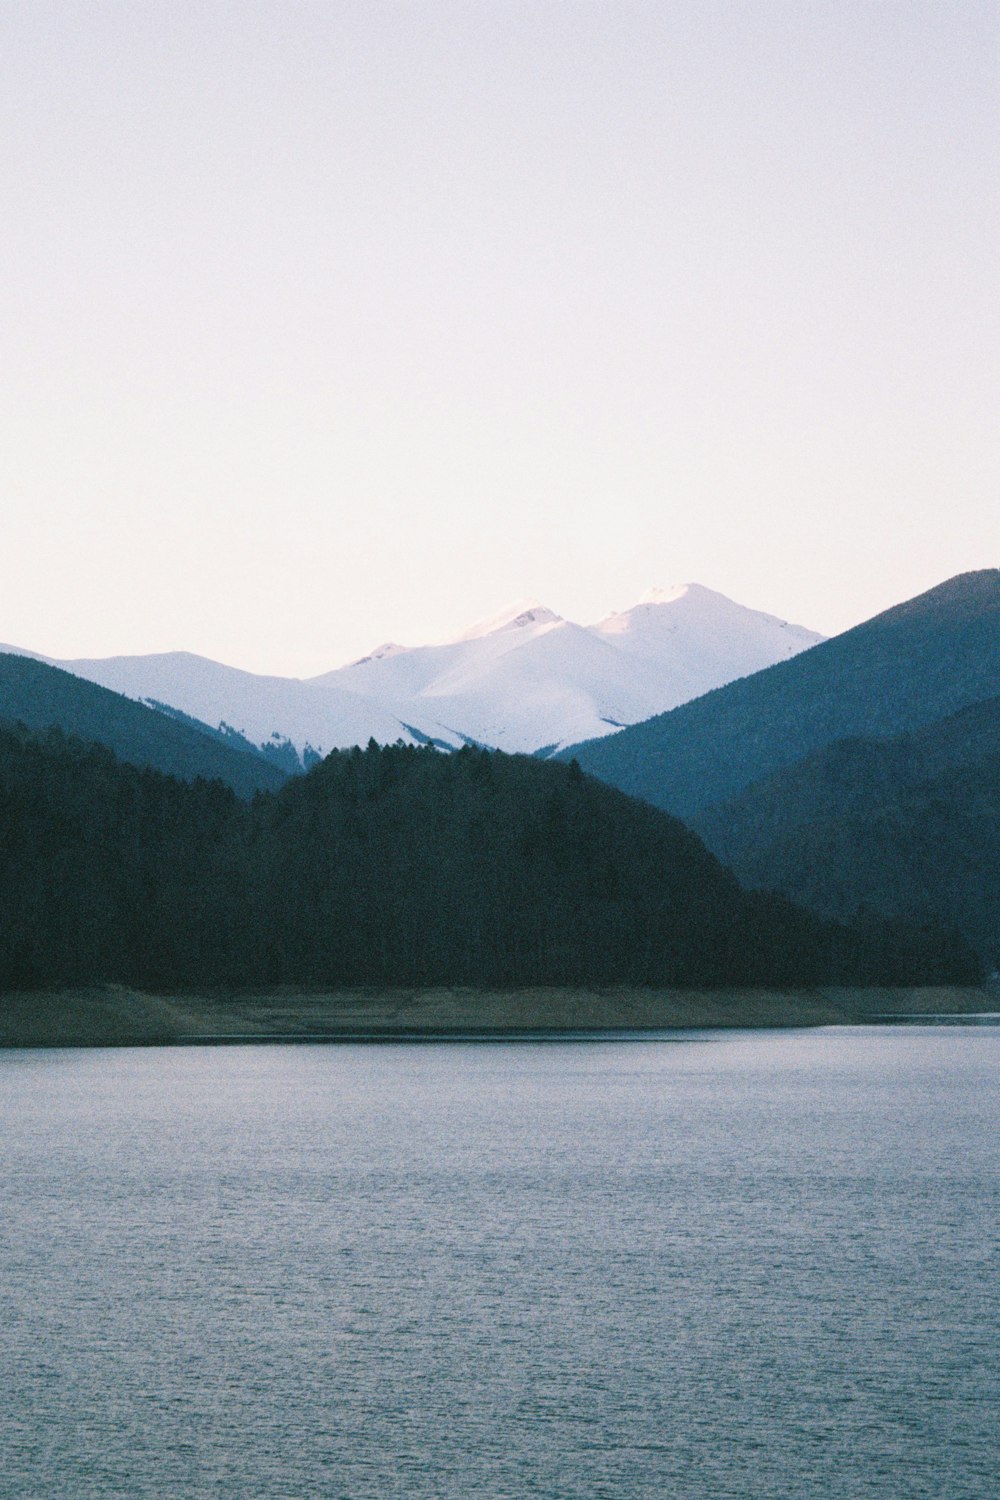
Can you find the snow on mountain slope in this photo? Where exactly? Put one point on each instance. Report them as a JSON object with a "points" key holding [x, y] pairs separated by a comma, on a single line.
{"points": [[403, 676], [527, 617], [261, 708], [525, 680], [528, 679], [700, 640], [543, 690]]}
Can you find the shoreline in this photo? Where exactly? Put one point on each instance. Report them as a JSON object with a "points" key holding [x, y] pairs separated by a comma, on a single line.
{"points": [[117, 1016]]}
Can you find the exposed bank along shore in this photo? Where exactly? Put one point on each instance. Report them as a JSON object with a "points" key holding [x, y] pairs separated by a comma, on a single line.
{"points": [[116, 1016]]}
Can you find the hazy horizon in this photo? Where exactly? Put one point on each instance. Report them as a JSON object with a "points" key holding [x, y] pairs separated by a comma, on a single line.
{"points": [[330, 324]]}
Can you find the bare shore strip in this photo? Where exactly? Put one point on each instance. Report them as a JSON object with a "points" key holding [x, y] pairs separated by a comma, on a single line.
{"points": [[115, 1016]]}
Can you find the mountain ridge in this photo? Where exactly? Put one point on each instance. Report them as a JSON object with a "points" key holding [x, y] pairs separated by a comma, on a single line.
{"points": [[907, 666], [907, 826], [44, 697], [524, 680]]}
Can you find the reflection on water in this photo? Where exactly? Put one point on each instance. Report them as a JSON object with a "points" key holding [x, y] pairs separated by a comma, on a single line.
{"points": [[753, 1265]]}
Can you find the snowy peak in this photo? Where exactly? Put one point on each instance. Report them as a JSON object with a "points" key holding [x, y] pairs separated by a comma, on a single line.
{"points": [[692, 607], [679, 599], [379, 654], [523, 680], [529, 680], [668, 595], [699, 640], [525, 614]]}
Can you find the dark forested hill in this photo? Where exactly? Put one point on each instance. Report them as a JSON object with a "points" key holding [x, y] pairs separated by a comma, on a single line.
{"points": [[905, 668], [390, 866], [906, 826], [43, 697]]}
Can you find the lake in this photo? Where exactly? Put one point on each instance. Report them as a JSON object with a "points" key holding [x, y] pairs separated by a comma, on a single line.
{"points": [[743, 1264]]}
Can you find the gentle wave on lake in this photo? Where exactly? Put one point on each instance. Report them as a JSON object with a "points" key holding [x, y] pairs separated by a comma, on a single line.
{"points": [[758, 1264]]}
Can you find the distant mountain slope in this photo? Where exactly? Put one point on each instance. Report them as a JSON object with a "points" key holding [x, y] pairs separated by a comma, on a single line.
{"points": [[907, 667], [41, 697], [390, 866], [278, 752], [697, 640], [906, 827], [528, 680], [313, 716], [525, 680]]}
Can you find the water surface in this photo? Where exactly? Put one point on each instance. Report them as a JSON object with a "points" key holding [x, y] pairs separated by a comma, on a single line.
{"points": [[757, 1264]]}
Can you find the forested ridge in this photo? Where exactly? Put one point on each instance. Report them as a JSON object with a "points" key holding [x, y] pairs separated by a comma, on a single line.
{"points": [[908, 826], [910, 666], [40, 696], [389, 866]]}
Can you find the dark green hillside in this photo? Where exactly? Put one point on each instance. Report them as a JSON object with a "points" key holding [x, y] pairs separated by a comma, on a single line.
{"points": [[908, 667], [389, 866], [42, 697], [908, 826]]}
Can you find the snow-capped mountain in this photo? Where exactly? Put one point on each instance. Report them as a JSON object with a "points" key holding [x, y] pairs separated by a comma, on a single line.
{"points": [[528, 679], [525, 680], [310, 715], [701, 640]]}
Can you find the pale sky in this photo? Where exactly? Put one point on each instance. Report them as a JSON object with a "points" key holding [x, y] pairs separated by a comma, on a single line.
{"points": [[324, 324]]}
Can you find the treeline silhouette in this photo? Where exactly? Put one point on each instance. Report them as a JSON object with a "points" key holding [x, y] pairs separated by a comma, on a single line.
{"points": [[393, 866]]}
